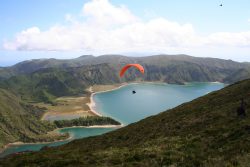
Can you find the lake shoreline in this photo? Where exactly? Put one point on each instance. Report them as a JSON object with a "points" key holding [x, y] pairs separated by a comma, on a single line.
{"points": [[101, 89], [19, 143], [91, 104]]}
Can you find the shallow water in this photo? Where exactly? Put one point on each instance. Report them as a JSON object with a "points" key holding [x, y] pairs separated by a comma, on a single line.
{"points": [[75, 133]]}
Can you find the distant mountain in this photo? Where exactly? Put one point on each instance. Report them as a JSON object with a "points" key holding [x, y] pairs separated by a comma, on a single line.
{"points": [[30, 66], [166, 64], [203, 132], [238, 76], [19, 121], [44, 80]]}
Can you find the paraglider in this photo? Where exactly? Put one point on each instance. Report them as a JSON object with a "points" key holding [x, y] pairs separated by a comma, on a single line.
{"points": [[220, 4], [126, 67]]}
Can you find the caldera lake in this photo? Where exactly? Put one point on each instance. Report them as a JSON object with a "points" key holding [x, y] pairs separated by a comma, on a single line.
{"points": [[126, 107]]}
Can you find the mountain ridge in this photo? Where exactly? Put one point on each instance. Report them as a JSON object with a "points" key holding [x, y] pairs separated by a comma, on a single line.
{"points": [[50, 80], [29, 66]]}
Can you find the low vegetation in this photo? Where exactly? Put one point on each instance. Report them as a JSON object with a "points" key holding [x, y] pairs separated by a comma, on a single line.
{"points": [[86, 121]]}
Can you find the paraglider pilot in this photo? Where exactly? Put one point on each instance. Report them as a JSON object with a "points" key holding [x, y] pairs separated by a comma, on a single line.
{"points": [[124, 69]]}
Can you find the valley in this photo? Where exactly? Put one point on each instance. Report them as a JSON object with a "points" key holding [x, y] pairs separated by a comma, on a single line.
{"points": [[47, 92], [203, 132]]}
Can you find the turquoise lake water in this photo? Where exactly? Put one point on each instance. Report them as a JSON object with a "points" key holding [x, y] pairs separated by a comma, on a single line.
{"points": [[122, 105], [150, 99], [75, 133]]}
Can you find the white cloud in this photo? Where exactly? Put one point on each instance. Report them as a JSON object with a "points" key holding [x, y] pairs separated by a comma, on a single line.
{"points": [[108, 28], [102, 13], [241, 39]]}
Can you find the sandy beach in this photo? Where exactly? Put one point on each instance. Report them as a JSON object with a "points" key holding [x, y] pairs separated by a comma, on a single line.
{"points": [[94, 126], [100, 89], [75, 106], [66, 107]]}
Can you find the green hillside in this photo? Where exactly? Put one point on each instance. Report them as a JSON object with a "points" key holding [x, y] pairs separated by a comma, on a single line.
{"points": [[203, 132], [19, 121], [47, 84], [238, 76]]}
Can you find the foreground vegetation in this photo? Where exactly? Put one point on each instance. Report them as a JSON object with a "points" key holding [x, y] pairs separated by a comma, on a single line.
{"points": [[86, 121], [203, 132]]}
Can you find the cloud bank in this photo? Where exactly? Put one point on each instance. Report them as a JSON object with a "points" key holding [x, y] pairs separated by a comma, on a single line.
{"points": [[104, 27]]}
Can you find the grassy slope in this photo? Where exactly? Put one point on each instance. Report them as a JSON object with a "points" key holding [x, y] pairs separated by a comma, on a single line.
{"points": [[204, 132], [19, 122]]}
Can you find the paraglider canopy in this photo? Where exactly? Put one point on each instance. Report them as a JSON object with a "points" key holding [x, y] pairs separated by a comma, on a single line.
{"points": [[126, 67]]}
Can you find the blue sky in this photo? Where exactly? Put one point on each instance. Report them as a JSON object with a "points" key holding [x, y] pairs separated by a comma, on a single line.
{"points": [[199, 28]]}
